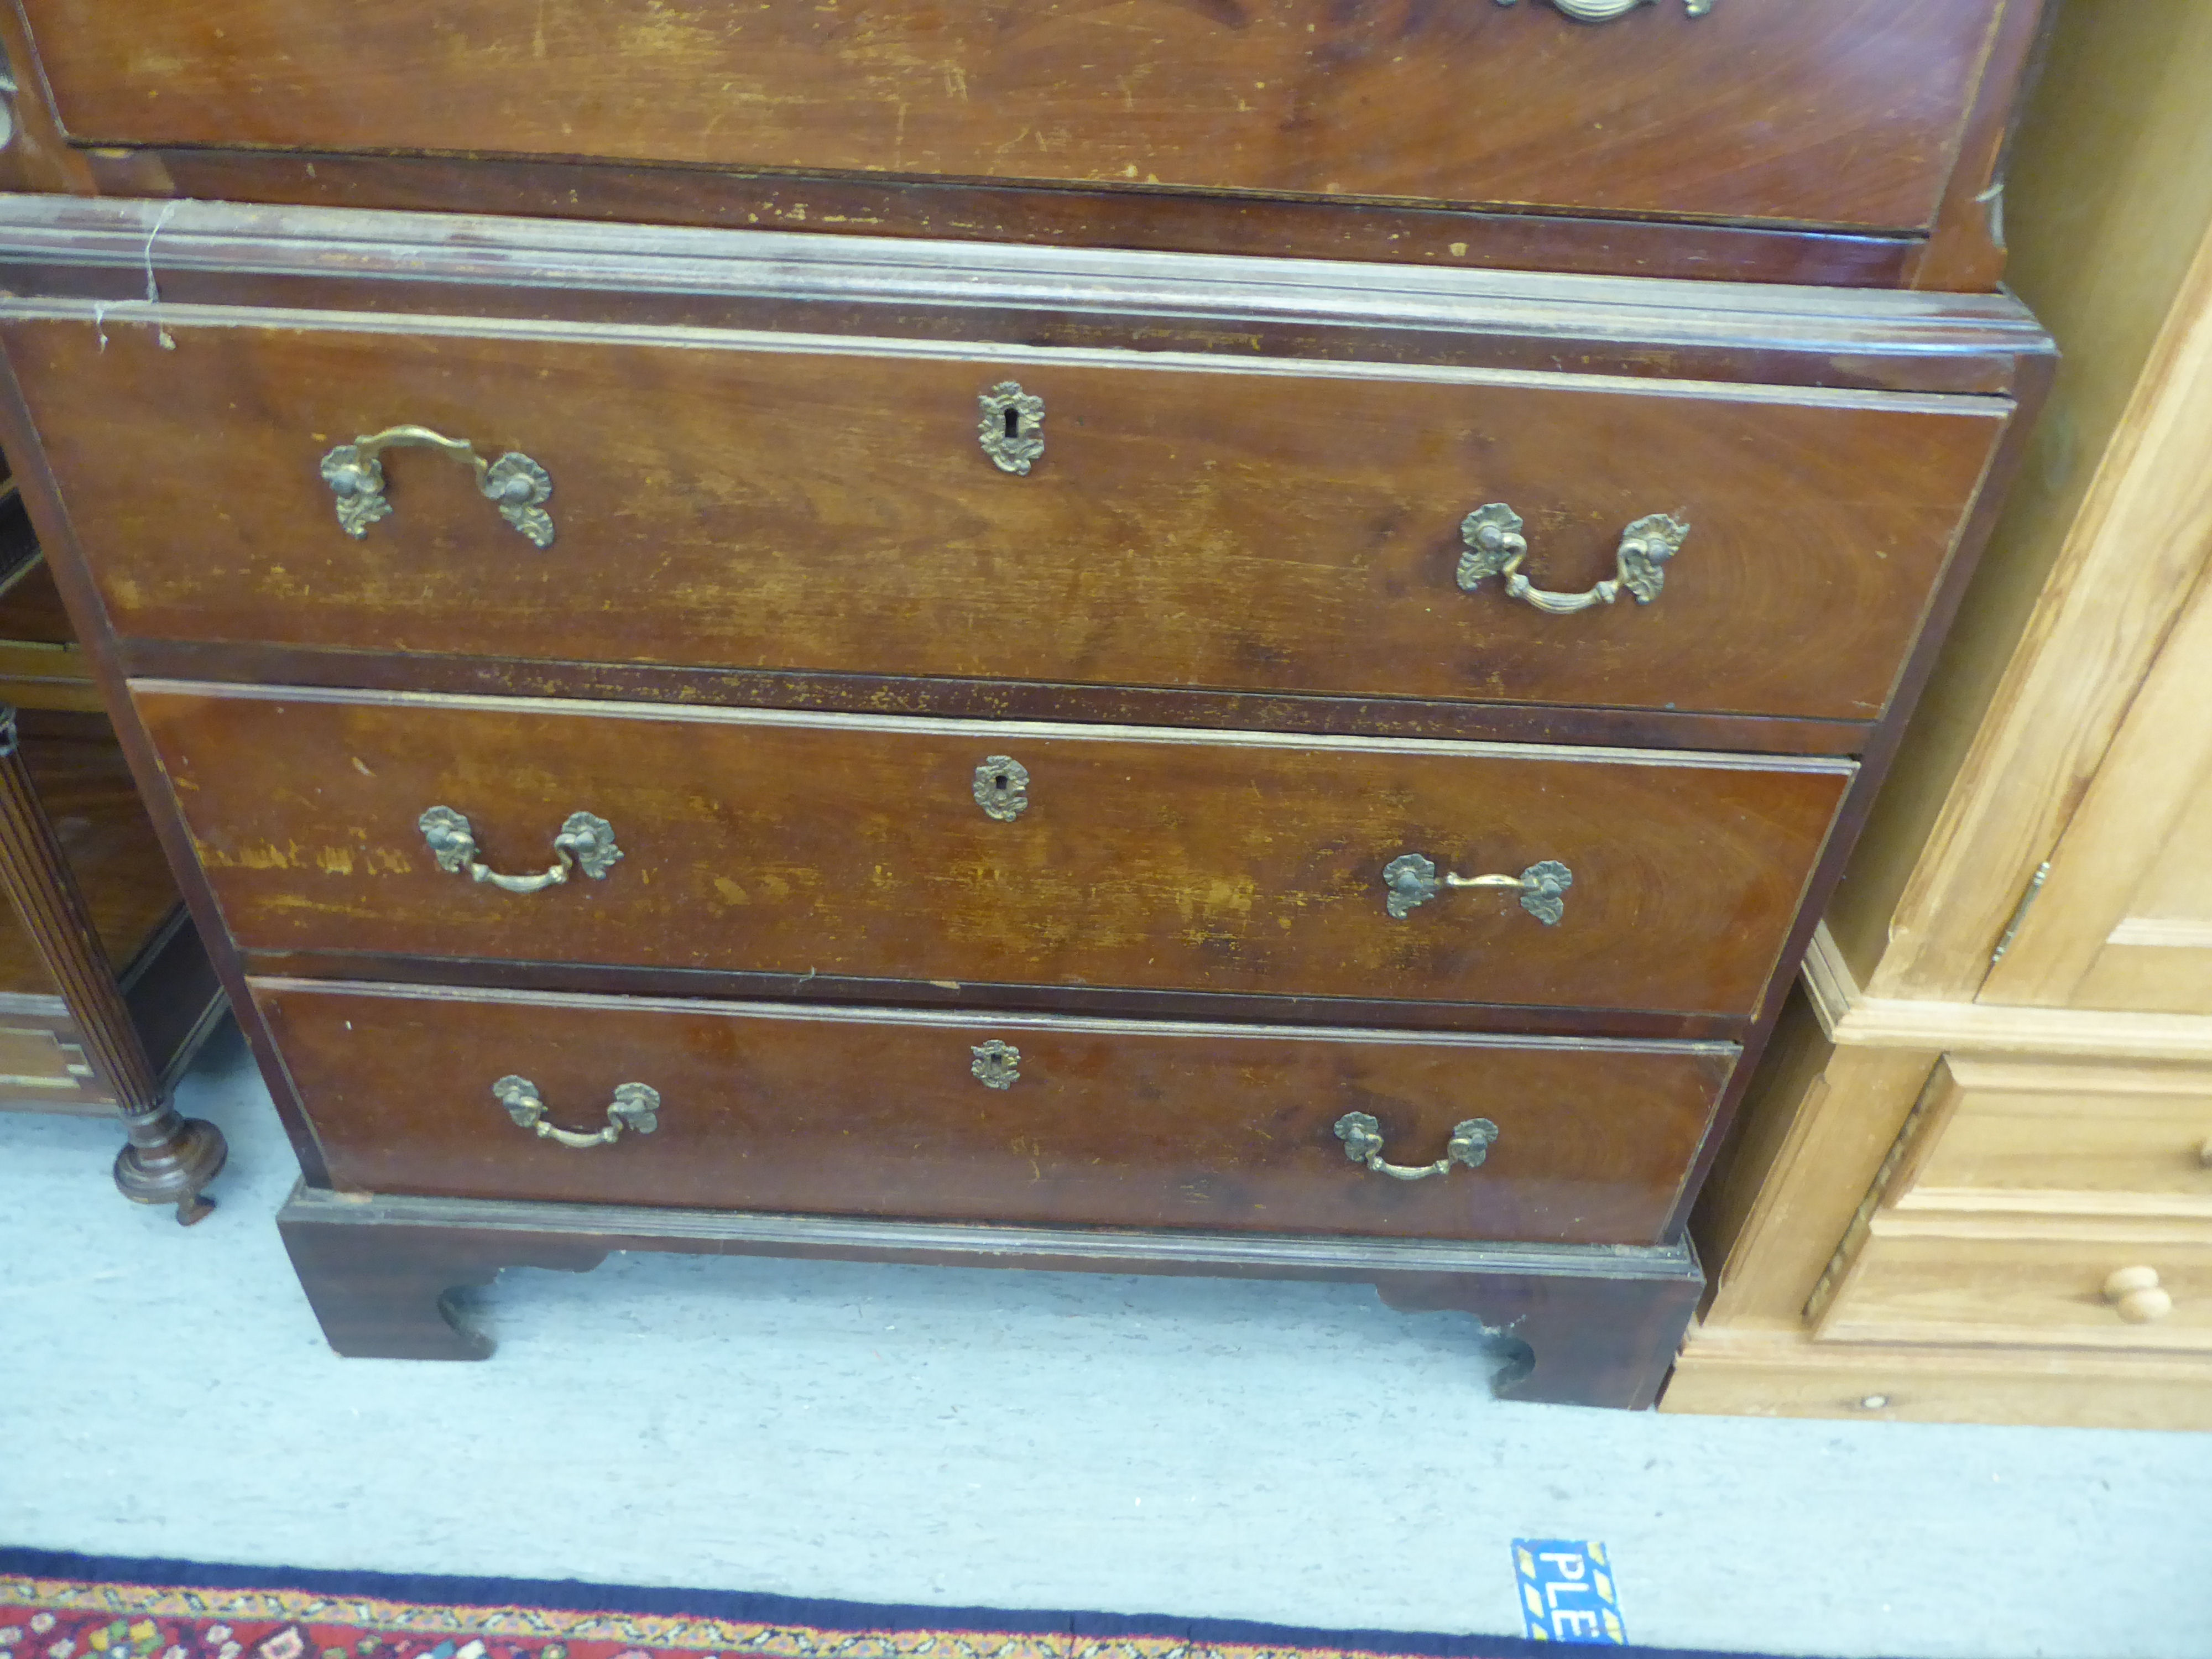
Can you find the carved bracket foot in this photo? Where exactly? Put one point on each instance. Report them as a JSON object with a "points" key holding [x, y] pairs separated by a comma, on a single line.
{"points": [[1571, 1341], [384, 1292]]}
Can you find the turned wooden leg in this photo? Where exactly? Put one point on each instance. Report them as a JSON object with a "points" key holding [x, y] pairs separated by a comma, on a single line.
{"points": [[1579, 1341], [168, 1159], [385, 1291]]}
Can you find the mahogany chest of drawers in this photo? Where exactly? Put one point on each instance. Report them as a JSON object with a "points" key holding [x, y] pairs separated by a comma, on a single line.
{"points": [[898, 739]]}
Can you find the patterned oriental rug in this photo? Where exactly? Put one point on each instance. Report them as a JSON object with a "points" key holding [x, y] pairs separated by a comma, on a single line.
{"points": [[72, 1607]]}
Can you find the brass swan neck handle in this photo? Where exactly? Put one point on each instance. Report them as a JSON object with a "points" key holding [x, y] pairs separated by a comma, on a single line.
{"points": [[1470, 1143], [517, 485], [586, 842], [1496, 547], [635, 1107], [1411, 880]]}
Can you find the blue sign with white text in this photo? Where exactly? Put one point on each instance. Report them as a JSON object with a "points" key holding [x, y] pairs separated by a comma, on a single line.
{"points": [[1567, 1592]]}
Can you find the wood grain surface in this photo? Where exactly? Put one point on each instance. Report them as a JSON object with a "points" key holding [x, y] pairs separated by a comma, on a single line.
{"points": [[1755, 1371], [2115, 1138], [380, 266], [1847, 112], [1108, 1122], [1590, 1325], [2124, 919], [101, 824], [2033, 1280], [825, 844], [2121, 519], [1290, 531], [1064, 216]]}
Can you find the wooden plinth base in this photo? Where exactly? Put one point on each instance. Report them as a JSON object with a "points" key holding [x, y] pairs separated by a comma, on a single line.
{"points": [[1590, 1326]]}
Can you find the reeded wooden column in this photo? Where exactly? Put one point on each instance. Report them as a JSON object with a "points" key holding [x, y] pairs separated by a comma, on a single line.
{"points": [[169, 1157]]}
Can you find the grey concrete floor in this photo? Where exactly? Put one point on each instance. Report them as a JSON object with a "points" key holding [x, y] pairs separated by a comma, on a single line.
{"points": [[1291, 1453]]}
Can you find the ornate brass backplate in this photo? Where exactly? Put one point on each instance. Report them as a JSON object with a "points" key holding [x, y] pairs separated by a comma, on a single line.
{"points": [[1011, 427], [1002, 785], [997, 1065]]}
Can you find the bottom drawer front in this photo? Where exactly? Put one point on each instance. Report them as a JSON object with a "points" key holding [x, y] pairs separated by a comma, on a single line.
{"points": [[1022, 1119], [2027, 1280]]}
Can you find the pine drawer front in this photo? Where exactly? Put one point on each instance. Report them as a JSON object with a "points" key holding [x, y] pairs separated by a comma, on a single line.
{"points": [[2053, 1136], [1217, 525], [995, 853], [2034, 1281], [1852, 118], [1107, 1123]]}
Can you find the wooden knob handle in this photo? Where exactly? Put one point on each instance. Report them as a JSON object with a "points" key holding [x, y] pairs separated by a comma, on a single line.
{"points": [[2135, 1294]]}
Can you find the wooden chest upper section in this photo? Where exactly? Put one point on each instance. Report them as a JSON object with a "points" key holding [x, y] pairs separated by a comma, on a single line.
{"points": [[1859, 117], [1836, 111]]}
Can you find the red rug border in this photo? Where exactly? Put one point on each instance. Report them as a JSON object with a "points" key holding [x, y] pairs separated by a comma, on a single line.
{"points": [[704, 1622]]}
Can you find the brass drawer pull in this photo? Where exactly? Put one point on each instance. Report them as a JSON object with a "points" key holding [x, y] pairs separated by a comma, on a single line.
{"points": [[1411, 880], [586, 842], [1496, 547], [1604, 11], [516, 483], [1362, 1136], [636, 1107]]}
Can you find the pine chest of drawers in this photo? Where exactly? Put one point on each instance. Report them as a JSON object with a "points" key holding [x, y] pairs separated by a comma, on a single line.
{"points": [[974, 750]]}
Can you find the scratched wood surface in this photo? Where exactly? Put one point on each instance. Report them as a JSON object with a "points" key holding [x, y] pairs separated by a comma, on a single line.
{"points": [[1107, 1123], [1201, 529], [88, 796], [806, 844], [1848, 112]]}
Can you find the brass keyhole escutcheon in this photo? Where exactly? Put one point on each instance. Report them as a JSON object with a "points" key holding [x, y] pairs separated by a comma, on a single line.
{"points": [[1011, 427], [996, 1065], [1002, 785]]}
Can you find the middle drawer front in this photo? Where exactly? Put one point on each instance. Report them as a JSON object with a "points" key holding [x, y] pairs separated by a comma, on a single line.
{"points": [[1006, 853], [1300, 531], [993, 1118]]}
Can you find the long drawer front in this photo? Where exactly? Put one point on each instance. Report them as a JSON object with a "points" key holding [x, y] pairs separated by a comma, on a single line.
{"points": [[1846, 111], [1011, 1119], [1319, 530], [993, 853]]}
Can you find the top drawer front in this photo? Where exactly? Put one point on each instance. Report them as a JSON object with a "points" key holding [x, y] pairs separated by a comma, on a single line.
{"points": [[1299, 531], [1843, 111]]}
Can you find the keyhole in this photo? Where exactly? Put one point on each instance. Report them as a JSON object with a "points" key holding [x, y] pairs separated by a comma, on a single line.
{"points": [[999, 782], [1013, 424]]}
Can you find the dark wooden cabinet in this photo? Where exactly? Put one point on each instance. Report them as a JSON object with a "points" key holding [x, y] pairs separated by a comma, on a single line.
{"points": [[883, 736]]}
